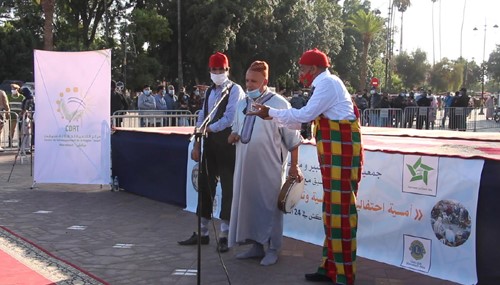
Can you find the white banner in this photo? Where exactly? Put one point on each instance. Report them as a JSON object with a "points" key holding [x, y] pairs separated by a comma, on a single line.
{"points": [[415, 212], [419, 212], [72, 117]]}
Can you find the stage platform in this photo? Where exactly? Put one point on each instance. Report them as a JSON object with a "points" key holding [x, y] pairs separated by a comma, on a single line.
{"points": [[154, 162]]}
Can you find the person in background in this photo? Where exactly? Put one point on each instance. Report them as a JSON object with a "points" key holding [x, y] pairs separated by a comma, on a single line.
{"points": [[340, 156], [217, 159], [27, 122], [375, 100], [446, 103], [489, 104], [161, 104], [118, 102], [183, 105], [15, 97], [195, 101], [4, 113], [460, 110], [146, 102], [262, 148], [423, 113]]}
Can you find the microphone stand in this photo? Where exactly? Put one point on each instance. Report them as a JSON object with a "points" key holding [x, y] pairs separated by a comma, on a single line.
{"points": [[200, 132]]}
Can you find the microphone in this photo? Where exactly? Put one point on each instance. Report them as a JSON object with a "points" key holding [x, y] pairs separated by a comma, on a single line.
{"points": [[225, 86]]}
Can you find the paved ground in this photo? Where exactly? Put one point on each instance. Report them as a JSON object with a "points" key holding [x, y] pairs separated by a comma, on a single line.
{"points": [[116, 220]]}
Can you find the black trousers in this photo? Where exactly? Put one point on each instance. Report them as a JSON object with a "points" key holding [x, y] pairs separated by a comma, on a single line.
{"points": [[217, 165]]}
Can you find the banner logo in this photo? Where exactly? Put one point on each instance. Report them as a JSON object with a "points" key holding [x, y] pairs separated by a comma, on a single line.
{"points": [[417, 250], [194, 176], [419, 171], [71, 107], [420, 176], [417, 253]]}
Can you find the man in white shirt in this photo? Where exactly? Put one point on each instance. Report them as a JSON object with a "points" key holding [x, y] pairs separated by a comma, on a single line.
{"points": [[338, 141]]}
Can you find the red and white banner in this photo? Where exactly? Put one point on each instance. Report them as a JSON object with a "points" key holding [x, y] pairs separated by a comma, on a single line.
{"points": [[72, 117]]}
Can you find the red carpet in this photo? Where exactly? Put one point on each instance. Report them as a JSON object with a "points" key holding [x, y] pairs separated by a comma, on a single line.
{"points": [[13, 270], [24, 263]]}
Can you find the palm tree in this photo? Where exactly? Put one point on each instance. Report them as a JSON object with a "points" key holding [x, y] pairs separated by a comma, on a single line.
{"points": [[433, 49], [48, 7], [368, 25], [402, 6]]}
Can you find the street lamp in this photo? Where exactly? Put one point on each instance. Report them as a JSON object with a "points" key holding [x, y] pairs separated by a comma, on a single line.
{"points": [[483, 66]]}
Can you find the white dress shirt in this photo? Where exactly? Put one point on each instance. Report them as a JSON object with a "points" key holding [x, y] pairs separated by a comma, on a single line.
{"points": [[330, 98]]}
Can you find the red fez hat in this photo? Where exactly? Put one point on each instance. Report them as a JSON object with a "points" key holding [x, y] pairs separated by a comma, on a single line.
{"points": [[218, 60], [314, 57]]}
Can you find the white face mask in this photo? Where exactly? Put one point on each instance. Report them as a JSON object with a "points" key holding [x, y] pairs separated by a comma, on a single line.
{"points": [[13, 91], [218, 79], [171, 92]]}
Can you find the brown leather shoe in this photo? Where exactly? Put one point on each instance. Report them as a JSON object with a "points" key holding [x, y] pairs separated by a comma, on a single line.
{"points": [[193, 240]]}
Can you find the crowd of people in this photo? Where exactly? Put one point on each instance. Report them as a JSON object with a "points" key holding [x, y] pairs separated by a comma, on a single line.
{"points": [[406, 109], [156, 100], [22, 121]]}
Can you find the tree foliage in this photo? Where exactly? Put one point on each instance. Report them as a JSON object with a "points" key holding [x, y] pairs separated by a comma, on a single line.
{"points": [[494, 65], [369, 26], [412, 68], [144, 37]]}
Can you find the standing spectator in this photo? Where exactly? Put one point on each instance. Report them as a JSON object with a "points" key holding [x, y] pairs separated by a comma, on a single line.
{"points": [[337, 128], [118, 102], [367, 96], [298, 101], [15, 96], [460, 104], [146, 102], [218, 155], [183, 105], [362, 104], [385, 116], [172, 104], [398, 105], [161, 104], [361, 101], [195, 101], [409, 110], [446, 103], [375, 100], [4, 113], [490, 107], [171, 98], [262, 148], [27, 122], [433, 109], [424, 103]]}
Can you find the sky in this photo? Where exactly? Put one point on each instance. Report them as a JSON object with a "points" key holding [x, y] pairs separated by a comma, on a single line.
{"points": [[417, 30]]}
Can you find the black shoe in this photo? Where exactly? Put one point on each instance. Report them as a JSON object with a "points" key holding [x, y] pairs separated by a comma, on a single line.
{"points": [[222, 247], [194, 240], [316, 277]]}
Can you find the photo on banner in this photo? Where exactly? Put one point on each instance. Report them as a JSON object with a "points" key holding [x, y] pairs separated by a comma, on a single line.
{"points": [[72, 117]]}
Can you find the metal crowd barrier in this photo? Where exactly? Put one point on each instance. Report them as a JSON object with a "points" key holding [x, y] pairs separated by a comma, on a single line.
{"points": [[153, 118], [450, 118], [9, 131]]}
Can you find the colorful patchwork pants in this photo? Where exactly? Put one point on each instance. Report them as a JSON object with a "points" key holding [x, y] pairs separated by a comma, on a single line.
{"points": [[340, 157]]}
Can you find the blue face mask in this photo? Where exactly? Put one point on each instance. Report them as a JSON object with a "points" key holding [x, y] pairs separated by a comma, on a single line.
{"points": [[254, 93]]}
